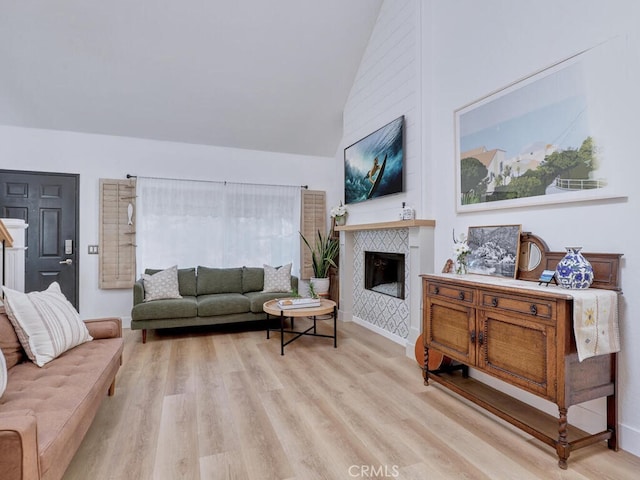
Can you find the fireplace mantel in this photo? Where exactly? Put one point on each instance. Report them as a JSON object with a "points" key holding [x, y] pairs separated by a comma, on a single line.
{"points": [[386, 225]]}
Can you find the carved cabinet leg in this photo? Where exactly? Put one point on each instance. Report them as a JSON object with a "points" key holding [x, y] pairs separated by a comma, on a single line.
{"points": [[562, 447], [425, 366]]}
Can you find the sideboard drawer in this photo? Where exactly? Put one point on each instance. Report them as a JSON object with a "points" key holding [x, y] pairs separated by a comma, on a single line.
{"points": [[531, 306], [452, 292]]}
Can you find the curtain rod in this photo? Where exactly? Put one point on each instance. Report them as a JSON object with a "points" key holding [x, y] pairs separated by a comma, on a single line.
{"points": [[224, 182]]}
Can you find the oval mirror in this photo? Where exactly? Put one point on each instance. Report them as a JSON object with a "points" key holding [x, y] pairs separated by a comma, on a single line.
{"points": [[530, 256]]}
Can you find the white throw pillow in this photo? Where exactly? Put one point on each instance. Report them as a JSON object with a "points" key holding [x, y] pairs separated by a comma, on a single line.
{"points": [[3, 374], [163, 284], [46, 323], [277, 279]]}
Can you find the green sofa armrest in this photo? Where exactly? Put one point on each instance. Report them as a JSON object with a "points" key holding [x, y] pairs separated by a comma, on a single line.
{"points": [[138, 292]]}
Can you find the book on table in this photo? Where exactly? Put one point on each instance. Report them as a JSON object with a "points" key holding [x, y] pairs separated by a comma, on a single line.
{"points": [[289, 303]]}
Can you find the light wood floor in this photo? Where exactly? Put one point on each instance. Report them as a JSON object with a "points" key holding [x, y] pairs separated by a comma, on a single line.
{"points": [[225, 405]]}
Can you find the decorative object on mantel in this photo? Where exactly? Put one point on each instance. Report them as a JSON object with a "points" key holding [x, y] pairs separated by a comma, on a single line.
{"points": [[339, 214], [407, 213], [323, 254], [574, 271], [461, 251]]}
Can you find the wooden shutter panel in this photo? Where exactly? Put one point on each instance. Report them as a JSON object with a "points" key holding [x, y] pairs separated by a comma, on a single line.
{"points": [[117, 233], [314, 214]]}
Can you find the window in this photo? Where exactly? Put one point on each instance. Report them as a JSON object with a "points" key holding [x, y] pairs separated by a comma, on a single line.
{"points": [[216, 224]]}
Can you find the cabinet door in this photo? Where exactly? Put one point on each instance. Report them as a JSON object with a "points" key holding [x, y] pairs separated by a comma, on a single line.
{"points": [[448, 328], [519, 351]]}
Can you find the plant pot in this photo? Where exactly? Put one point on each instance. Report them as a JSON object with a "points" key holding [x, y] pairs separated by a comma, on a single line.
{"points": [[320, 286], [341, 220]]}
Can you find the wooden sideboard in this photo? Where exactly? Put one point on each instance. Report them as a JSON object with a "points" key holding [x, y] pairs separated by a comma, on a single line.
{"points": [[524, 337]]}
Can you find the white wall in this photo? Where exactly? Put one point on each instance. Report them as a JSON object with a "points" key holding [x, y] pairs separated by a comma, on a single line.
{"points": [[100, 156], [479, 47], [386, 86], [467, 49]]}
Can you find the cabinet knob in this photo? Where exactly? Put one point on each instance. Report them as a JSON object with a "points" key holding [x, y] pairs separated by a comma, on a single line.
{"points": [[436, 290], [461, 295], [494, 302], [533, 309], [481, 338], [472, 336]]}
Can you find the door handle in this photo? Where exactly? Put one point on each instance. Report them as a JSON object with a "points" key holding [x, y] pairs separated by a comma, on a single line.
{"points": [[68, 261]]}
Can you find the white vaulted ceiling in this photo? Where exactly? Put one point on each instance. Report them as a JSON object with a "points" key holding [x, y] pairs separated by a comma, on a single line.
{"points": [[259, 74]]}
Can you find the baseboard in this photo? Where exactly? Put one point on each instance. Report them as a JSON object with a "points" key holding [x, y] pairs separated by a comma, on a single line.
{"points": [[629, 439], [394, 338]]}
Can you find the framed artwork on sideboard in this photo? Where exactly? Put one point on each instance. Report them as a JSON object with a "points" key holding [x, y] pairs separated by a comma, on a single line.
{"points": [[494, 250]]}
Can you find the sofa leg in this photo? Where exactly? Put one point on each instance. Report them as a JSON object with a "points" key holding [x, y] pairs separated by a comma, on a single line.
{"points": [[144, 335], [112, 388]]}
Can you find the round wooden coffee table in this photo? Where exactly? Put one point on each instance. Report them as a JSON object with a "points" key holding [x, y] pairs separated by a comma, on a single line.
{"points": [[327, 310]]}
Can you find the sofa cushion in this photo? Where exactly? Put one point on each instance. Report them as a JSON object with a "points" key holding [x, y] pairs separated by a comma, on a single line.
{"points": [[163, 284], [9, 343], [277, 279], [222, 304], [185, 307], [257, 299], [252, 279], [186, 280], [219, 280], [45, 322]]}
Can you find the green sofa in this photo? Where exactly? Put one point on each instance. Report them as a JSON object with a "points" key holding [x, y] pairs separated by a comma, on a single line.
{"points": [[210, 296]]}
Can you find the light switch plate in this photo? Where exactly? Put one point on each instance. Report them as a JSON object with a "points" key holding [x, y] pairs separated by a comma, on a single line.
{"points": [[93, 249]]}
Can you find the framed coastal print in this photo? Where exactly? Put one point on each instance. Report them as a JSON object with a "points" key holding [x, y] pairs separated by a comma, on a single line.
{"points": [[542, 139], [494, 250], [373, 166]]}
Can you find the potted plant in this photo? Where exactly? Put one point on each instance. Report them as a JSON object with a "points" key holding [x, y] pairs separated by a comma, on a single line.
{"points": [[323, 254], [339, 213]]}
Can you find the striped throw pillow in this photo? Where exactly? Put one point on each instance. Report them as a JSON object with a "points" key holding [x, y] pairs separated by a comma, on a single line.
{"points": [[46, 323]]}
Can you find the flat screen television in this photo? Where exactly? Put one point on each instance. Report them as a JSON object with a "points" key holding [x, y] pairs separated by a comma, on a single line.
{"points": [[373, 166]]}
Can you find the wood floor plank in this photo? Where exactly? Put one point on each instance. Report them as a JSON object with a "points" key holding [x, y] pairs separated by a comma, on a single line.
{"points": [[216, 432], [264, 378], [224, 404], [304, 450], [223, 466], [176, 456], [263, 453]]}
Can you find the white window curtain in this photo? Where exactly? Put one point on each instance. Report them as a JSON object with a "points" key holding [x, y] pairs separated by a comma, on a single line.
{"points": [[216, 224]]}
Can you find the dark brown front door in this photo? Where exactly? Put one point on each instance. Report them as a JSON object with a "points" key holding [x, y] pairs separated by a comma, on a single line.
{"points": [[48, 203]]}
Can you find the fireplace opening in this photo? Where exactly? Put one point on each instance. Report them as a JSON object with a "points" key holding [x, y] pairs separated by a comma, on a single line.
{"points": [[384, 273]]}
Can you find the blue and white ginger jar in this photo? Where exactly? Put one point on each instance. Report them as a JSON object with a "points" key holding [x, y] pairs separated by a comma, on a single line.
{"points": [[574, 271]]}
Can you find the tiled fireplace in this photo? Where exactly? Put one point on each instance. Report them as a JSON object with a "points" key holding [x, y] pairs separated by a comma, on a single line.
{"points": [[390, 309]]}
